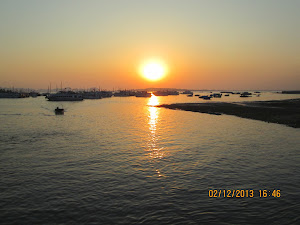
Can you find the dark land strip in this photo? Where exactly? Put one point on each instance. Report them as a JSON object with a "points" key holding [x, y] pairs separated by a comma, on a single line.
{"points": [[278, 111]]}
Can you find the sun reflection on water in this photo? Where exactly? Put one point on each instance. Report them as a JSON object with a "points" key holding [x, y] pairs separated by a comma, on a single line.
{"points": [[153, 101], [155, 152]]}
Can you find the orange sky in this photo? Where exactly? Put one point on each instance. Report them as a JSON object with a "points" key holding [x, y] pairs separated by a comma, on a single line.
{"points": [[205, 44]]}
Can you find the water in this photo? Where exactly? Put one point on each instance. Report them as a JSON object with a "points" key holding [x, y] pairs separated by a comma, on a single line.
{"points": [[121, 161]]}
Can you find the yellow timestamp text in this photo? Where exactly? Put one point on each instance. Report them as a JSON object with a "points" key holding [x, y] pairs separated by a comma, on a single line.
{"points": [[222, 193]]}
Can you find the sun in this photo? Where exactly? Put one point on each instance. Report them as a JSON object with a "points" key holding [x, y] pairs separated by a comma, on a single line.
{"points": [[153, 70]]}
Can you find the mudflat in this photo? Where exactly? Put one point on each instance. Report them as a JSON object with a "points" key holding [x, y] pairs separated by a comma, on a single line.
{"points": [[278, 111]]}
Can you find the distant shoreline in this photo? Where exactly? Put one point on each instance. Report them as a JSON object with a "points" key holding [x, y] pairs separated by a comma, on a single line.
{"points": [[285, 112]]}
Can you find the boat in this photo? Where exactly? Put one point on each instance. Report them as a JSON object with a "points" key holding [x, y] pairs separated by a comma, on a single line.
{"points": [[245, 95], [216, 95], [165, 92], [226, 95], [12, 94], [172, 92], [33, 94], [227, 92], [142, 94], [65, 96], [160, 93], [205, 97], [91, 95], [124, 93], [106, 94], [59, 111], [190, 95], [187, 92]]}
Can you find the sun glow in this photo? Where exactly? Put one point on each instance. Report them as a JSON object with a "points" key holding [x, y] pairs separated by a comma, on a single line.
{"points": [[153, 70]]}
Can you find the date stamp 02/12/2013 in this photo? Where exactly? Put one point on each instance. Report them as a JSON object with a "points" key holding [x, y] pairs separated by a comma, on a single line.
{"points": [[231, 193]]}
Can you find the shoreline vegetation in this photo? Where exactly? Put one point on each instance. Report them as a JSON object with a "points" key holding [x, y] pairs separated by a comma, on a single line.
{"points": [[285, 112]]}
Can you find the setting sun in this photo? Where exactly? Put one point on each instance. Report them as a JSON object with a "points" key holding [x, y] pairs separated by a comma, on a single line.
{"points": [[153, 70]]}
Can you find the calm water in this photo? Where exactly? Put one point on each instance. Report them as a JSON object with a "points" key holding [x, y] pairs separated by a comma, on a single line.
{"points": [[121, 161]]}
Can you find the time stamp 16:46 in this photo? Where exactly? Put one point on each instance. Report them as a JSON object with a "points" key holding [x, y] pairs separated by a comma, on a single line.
{"points": [[222, 193]]}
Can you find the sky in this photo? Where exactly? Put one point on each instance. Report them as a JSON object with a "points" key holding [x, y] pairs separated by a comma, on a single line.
{"points": [[205, 44]]}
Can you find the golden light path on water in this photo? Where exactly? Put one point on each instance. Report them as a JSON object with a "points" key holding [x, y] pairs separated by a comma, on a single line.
{"points": [[155, 152]]}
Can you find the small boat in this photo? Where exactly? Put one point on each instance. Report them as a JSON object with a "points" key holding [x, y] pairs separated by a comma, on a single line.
{"points": [[245, 95], [197, 95], [190, 95], [59, 111], [187, 92], [216, 95], [205, 97]]}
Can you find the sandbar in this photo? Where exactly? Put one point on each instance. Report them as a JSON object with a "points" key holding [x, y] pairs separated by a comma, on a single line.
{"points": [[285, 112]]}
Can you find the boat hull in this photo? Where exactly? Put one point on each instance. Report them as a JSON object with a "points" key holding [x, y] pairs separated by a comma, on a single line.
{"points": [[64, 99]]}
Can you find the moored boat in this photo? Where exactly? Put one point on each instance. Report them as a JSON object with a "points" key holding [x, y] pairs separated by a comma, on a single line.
{"points": [[216, 95], [142, 94], [245, 95], [160, 93], [187, 92], [91, 95], [124, 93], [12, 94], [65, 96], [205, 97]]}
